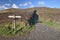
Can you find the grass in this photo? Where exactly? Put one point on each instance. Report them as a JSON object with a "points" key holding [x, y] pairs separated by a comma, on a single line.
{"points": [[50, 17], [6, 29], [51, 23]]}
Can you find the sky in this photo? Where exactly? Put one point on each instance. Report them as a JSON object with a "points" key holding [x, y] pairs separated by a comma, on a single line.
{"points": [[6, 4]]}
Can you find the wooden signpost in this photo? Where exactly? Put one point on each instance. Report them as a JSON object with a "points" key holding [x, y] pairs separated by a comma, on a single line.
{"points": [[14, 17]]}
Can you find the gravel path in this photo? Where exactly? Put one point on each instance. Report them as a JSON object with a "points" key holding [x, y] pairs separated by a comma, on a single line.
{"points": [[41, 32]]}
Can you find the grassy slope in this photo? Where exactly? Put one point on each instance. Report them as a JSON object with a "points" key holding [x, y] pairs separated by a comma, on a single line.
{"points": [[6, 28], [49, 16]]}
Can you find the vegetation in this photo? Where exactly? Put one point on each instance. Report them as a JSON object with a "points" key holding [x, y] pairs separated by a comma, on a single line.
{"points": [[7, 29], [48, 16], [23, 25], [50, 23]]}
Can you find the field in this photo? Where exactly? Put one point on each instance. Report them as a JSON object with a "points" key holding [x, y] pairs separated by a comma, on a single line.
{"points": [[7, 26], [48, 16], [7, 29]]}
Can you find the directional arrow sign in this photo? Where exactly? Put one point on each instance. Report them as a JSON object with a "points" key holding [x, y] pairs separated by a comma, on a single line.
{"points": [[14, 17]]}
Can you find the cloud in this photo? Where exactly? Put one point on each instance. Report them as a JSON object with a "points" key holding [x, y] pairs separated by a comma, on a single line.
{"points": [[7, 4], [30, 3], [31, 6], [14, 6], [41, 2], [4, 6], [25, 4]]}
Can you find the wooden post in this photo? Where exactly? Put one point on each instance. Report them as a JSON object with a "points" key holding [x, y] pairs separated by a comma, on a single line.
{"points": [[14, 17], [14, 22]]}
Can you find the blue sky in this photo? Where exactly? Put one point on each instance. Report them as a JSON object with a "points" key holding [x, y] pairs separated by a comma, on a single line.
{"points": [[5, 4]]}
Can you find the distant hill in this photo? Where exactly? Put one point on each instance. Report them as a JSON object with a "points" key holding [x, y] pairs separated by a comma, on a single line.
{"points": [[52, 14], [48, 14], [5, 13]]}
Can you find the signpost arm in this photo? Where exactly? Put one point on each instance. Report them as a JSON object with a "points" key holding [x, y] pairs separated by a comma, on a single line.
{"points": [[14, 17]]}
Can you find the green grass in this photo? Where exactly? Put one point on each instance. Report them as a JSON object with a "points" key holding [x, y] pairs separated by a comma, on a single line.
{"points": [[49, 19], [6, 29], [51, 23]]}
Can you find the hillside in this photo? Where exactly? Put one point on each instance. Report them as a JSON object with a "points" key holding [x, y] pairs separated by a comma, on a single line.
{"points": [[5, 13], [48, 13], [52, 14], [48, 16]]}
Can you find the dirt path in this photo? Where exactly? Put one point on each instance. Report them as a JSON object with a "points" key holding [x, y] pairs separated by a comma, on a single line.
{"points": [[41, 32]]}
